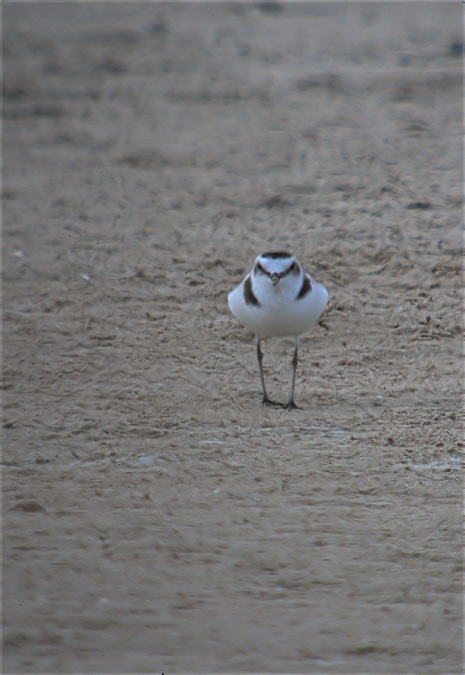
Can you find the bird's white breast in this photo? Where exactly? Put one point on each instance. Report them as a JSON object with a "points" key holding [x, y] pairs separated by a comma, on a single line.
{"points": [[279, 313]]}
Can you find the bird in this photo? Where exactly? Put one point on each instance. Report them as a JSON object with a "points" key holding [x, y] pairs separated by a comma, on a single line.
{"points": [[278, 298]]}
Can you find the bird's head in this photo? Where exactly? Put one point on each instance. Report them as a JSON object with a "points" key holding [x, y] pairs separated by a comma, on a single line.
{"points": [[276, 265]]}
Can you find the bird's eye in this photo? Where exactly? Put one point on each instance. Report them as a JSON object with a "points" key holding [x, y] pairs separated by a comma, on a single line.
{"points": [[292, 267], [259, 268]]}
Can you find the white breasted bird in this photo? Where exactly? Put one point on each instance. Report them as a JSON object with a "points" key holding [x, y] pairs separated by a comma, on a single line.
{"points": [[278, 298]]}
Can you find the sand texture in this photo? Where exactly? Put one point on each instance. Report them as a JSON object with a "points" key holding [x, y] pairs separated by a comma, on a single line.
{"points": [[157, 517]]}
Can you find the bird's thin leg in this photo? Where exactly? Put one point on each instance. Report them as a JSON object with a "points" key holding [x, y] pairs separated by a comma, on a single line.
{"points": [[266, 399], [295, 359]]}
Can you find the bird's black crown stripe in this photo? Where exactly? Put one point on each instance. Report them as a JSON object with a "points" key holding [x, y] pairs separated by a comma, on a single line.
{"points": [[276, 254], [305, 288], [249, 295]]}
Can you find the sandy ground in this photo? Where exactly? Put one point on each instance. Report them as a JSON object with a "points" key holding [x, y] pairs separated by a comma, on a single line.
{"points": [[157, 517]]}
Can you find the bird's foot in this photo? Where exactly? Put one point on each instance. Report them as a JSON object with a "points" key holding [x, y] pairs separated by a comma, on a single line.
{"points": [[291, 405], [269, 402]]}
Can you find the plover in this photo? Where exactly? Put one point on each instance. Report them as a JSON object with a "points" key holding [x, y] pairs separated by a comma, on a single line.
{"points": [[278, 298]]}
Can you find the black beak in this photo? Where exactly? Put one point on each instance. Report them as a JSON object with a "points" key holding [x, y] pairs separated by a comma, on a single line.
{"points": [[275, 277]]}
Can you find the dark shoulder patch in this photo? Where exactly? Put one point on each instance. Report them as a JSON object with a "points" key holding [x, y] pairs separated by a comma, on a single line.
{"points": [[249, 296], [276, 254], [305, 288]]}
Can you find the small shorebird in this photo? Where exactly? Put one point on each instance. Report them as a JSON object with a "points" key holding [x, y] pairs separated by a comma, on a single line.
{"points": [[278, 299]]}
